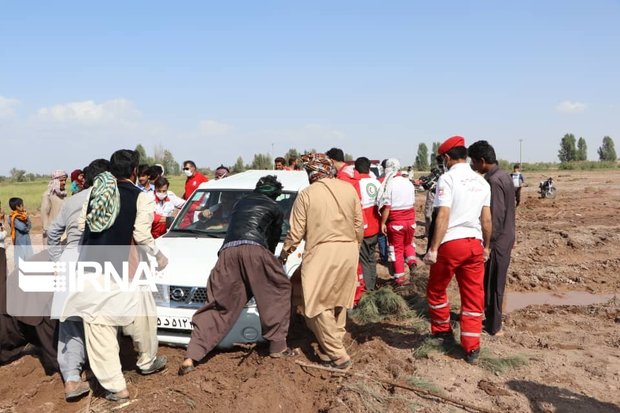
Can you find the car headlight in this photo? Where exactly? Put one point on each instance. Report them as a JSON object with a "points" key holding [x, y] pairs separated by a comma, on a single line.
{"points": [[162, 296]]}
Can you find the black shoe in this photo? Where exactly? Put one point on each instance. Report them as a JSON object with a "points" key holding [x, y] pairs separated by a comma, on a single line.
{"points": [[473, 356], [446, 337]]}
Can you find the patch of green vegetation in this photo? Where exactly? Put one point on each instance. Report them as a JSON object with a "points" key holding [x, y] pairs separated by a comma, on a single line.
{"points": [[435, 345], [424, 384], [378, 305], [32, 192], [500, 364]]}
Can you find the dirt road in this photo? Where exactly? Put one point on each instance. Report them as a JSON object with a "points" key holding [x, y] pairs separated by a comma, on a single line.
{"points": [[551, 359]]}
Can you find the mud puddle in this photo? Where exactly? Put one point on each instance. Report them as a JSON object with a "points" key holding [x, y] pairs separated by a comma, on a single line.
{"points": [[517, 301]]}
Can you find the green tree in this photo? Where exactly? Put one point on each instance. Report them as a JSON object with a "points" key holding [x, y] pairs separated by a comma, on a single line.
{"points": [[239, 166], [262, 161], [568, 150], [421, 160], [607, 151], [582, 150], [348, 157], [171, 166], [434, 154], [291, 153], [144, 158], [17, 175]]}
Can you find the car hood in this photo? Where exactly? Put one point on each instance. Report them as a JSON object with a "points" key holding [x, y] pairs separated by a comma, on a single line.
{"points": [[190, 260]]}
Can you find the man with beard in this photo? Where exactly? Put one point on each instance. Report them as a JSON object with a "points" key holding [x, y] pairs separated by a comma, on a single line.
{"points": [[483, 160]]}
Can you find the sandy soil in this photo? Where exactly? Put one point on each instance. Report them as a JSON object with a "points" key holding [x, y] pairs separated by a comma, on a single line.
{"points": [[551, 359]]}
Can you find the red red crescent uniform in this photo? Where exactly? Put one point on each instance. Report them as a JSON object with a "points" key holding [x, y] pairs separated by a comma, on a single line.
{"points": [[460, 254]]}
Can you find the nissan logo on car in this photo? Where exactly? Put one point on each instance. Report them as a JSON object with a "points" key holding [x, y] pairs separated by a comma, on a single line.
{"points": [[177, 294]]}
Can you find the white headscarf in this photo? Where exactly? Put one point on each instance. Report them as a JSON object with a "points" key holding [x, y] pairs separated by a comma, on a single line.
{"points": [[392, 168]]}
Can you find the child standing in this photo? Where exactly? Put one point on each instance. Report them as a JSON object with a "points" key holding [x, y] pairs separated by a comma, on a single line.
{"points": [[20, 230]]}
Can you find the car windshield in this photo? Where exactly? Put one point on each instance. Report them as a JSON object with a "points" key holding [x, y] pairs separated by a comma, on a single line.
{"points": [[207, 213]]}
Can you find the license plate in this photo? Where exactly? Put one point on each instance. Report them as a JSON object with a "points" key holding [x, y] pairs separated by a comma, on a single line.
{"points": [[179, 323]]}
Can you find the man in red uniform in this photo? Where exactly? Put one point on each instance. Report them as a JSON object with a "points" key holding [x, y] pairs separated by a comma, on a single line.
{"points": [[344, 171], [463, 224], [194, 178], [396, 202], [369, 187]]}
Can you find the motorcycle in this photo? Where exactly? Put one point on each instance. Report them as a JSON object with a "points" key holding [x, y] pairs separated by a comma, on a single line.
{"points": [[546, 189]]}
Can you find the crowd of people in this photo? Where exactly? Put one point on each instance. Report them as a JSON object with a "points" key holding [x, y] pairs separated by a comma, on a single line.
{"points": [[344, 216]]}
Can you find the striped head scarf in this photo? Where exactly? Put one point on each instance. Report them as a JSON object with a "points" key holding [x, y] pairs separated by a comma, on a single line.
{"points": [[318, 166], [105, 203], [53, 187], [392, 169]]}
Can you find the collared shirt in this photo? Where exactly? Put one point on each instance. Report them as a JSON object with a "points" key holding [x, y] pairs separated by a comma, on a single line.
{"points": [[465, 193], [502, 209], [151, 188], [167, 206]]}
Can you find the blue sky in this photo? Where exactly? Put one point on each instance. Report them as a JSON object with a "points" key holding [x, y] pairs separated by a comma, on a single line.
{"points": [[215, 80]]}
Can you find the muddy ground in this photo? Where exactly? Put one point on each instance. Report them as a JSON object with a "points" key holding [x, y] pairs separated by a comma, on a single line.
{"points": [[551, 359]]}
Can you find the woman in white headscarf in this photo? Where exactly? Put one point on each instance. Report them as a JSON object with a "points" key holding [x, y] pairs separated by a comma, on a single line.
{"points": [[396, 203]]}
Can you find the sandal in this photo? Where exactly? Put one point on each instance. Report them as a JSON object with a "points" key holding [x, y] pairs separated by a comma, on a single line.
{"points": [[288, 352], [183, 370]]}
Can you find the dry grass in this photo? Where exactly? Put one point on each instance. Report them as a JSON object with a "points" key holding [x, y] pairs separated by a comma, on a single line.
{"points": [[375, 398], [424, 384], [378, 305], [500, 364]]}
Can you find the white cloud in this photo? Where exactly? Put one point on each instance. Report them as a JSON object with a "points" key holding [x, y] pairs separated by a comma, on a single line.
{"points": [[89, 111], [569, 106], [212, 127], [7, 107]]}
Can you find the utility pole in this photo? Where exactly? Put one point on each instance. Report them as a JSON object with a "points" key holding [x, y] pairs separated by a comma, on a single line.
{"points": [[520, 150]]}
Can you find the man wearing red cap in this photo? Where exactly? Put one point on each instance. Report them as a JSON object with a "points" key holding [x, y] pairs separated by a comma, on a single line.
{"points": [[463, 224]]}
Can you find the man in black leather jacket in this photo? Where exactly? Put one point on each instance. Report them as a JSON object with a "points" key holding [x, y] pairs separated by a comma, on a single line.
{"points": [[246, 268]]}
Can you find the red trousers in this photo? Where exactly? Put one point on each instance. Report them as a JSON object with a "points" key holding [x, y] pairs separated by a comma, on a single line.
{"points": [[360, 286], [465, 259], [401, 249]]}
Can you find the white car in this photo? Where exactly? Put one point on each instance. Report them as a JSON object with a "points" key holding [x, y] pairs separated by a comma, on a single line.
{"points": [[191, 245]]}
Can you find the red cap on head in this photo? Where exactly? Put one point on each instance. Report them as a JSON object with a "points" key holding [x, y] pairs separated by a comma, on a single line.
{"points": [[453, 142]]}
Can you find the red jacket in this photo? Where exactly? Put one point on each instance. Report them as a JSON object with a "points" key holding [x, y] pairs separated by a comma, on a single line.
{"points": [[348, 174], [369, 188], [192, 183]]}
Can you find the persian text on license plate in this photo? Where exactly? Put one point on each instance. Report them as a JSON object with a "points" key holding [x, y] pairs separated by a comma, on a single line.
{"points": [[181, 323]]}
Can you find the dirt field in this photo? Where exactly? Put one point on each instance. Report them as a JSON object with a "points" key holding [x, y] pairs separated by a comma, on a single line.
{"points": [[561, 358]]}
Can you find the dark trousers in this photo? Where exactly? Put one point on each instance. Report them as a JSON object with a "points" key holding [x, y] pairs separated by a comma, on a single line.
{"points": [[495, 272], [17, 332], [241, 273], [369, 265], [383, 247], [518, 195]]}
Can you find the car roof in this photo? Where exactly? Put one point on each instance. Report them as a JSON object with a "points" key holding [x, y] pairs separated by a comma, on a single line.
{"points": [[292, 181]]}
